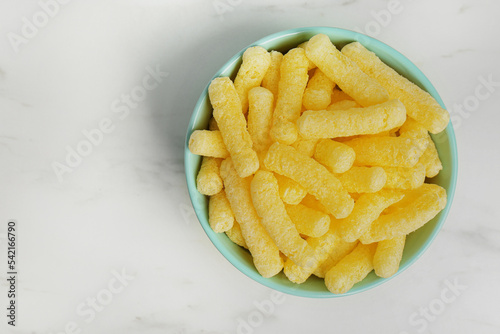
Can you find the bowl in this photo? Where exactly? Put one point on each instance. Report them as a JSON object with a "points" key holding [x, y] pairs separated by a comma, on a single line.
{"points": [[417, 242]]}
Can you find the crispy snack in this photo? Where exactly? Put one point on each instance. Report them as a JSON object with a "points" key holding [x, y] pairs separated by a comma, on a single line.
{"points": [[363, 179], [233, 126], [260, 117], [405, 177], [266, 255], [318, 93], [272, 77], [430, 157], [419, 104], [311, 175], [305, 146], [293, 81], [344, 72], [352, 269], [220, 215], [335, 156], [351, 122], [341, 249], [367, 209], [417, 208], [311, 65], [412, 129], [208, 180], [271, 210], [386, 151], [322, 246], [309, 222], [207, 143], [388, 256], [256, 61], [234, 234], [290, 191], [343, 105]]}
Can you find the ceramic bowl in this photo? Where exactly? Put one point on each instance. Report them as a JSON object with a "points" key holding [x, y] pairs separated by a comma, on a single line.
{"points": [[417, 242]]}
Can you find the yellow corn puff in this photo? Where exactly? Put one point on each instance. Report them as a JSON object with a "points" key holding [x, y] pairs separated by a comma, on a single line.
{"points": [[341, 249], [339, 95], [260, 117], [430, 157], [363, 179], [290, 191], [271, 210], [208, 180], [256, 61], [409, 196], [386, 151], [344, 72], [335, 156], [405, 177], [308, 222], [272, 77], [311, 65], [352, 269], [293, 81], [212, 124], [388, 256], [234, 234], [322, 246], [233, 126], [207, 143], [305, 146], [419, 104], [426, 202], [350, 122], [265, 253], [220, 215], [343, 105], [367, 209], [412, 129], [318, 93], [311, 175]]}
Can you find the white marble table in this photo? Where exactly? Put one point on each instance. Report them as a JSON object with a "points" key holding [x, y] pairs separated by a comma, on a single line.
{"points": [[108, 243]]}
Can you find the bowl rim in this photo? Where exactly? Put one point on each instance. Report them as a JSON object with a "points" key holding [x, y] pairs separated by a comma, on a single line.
{"points": [[427, 86]]}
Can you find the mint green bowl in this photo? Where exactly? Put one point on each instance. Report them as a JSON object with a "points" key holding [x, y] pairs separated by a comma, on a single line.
{"points": [[417, 242]]}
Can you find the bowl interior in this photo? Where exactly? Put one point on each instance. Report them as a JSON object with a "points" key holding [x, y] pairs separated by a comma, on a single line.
{"points": [[416, 243]]}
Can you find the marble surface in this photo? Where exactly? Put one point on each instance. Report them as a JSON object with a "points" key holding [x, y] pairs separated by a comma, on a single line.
{"points": [[109, 243]]}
